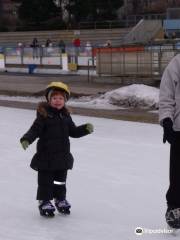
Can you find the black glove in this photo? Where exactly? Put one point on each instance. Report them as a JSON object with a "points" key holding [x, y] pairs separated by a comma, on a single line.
{"points": [[169, 134]]}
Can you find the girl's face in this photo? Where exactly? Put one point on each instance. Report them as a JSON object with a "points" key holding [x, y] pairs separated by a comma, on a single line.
{"points": [[57, 101]]}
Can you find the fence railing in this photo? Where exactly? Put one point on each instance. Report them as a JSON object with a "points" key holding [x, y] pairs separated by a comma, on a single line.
{"points": [[136, 61], [124, 23], [138, 17], [125, 61]]}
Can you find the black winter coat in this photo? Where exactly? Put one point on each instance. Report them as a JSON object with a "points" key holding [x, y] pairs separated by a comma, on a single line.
{"points": [[53, 128]]}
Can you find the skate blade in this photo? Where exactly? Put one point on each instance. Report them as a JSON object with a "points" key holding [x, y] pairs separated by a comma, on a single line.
{"points": [[174, 231], [47, 214], [64, 211]]}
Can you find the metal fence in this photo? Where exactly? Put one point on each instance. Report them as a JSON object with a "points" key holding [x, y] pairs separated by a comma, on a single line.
{"points": [[124, 23], [135, 61], [137, 17], [125, 61]]}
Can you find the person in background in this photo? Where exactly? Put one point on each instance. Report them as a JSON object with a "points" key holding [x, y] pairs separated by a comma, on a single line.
{"points": [[48, 47], [48, 43], [35, 47], [20, 49], [88, 48], [62, 46], [108, 44], [76, 43]]}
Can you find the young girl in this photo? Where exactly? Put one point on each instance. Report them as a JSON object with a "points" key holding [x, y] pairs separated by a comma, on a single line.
{"points": [[53, 126]]}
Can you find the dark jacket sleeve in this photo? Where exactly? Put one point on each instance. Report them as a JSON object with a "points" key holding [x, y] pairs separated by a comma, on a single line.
{"points": [[35, 130], [77, 132]]}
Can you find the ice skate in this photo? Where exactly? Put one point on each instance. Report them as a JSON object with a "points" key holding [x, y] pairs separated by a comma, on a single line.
{"points": [[62, 206], [173, 231], [46, 209], [173, 219]]}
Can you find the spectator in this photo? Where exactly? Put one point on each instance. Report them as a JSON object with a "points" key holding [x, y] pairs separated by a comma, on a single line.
{"points": [[48, 43], [19, 49], [88, 48], [62, 46], [165, 35], [48, 47], [108, 44], [77, 42], [35, 46], [173, 36]]}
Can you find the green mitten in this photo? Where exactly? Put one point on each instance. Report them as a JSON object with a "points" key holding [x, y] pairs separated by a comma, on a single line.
{"points": [[89, 127], [25, 144]]}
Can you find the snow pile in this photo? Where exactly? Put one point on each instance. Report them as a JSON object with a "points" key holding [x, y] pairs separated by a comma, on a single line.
{"points": [[135, 95], [93, 103]]}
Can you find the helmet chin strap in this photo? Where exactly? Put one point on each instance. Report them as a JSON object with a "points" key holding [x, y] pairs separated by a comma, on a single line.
{"points": [[55, 90], [49, 95]]}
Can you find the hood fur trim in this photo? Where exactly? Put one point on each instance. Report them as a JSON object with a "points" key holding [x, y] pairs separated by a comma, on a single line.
{"points": [[42, 109]]}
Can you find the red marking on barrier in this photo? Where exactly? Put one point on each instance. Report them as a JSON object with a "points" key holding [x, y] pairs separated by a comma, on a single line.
{"points": [[116, 50]]}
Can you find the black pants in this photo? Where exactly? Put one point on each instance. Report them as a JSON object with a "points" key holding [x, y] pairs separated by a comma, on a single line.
{"points": [[51, 184], [173, 193]]}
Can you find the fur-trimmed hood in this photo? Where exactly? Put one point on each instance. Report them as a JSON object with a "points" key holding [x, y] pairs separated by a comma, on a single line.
{"points": [[44, 109]]}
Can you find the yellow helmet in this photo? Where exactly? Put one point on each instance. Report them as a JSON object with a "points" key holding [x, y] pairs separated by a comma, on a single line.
{"points": [[57, 86]]}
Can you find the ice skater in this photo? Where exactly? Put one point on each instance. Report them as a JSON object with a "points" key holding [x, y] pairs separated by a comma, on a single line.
{"points": [[169, 117], [53, 126]]}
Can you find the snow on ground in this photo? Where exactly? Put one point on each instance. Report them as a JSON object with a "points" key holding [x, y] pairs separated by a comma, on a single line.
{"points": [[118, 182], [22, 99], [135, 95]]}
